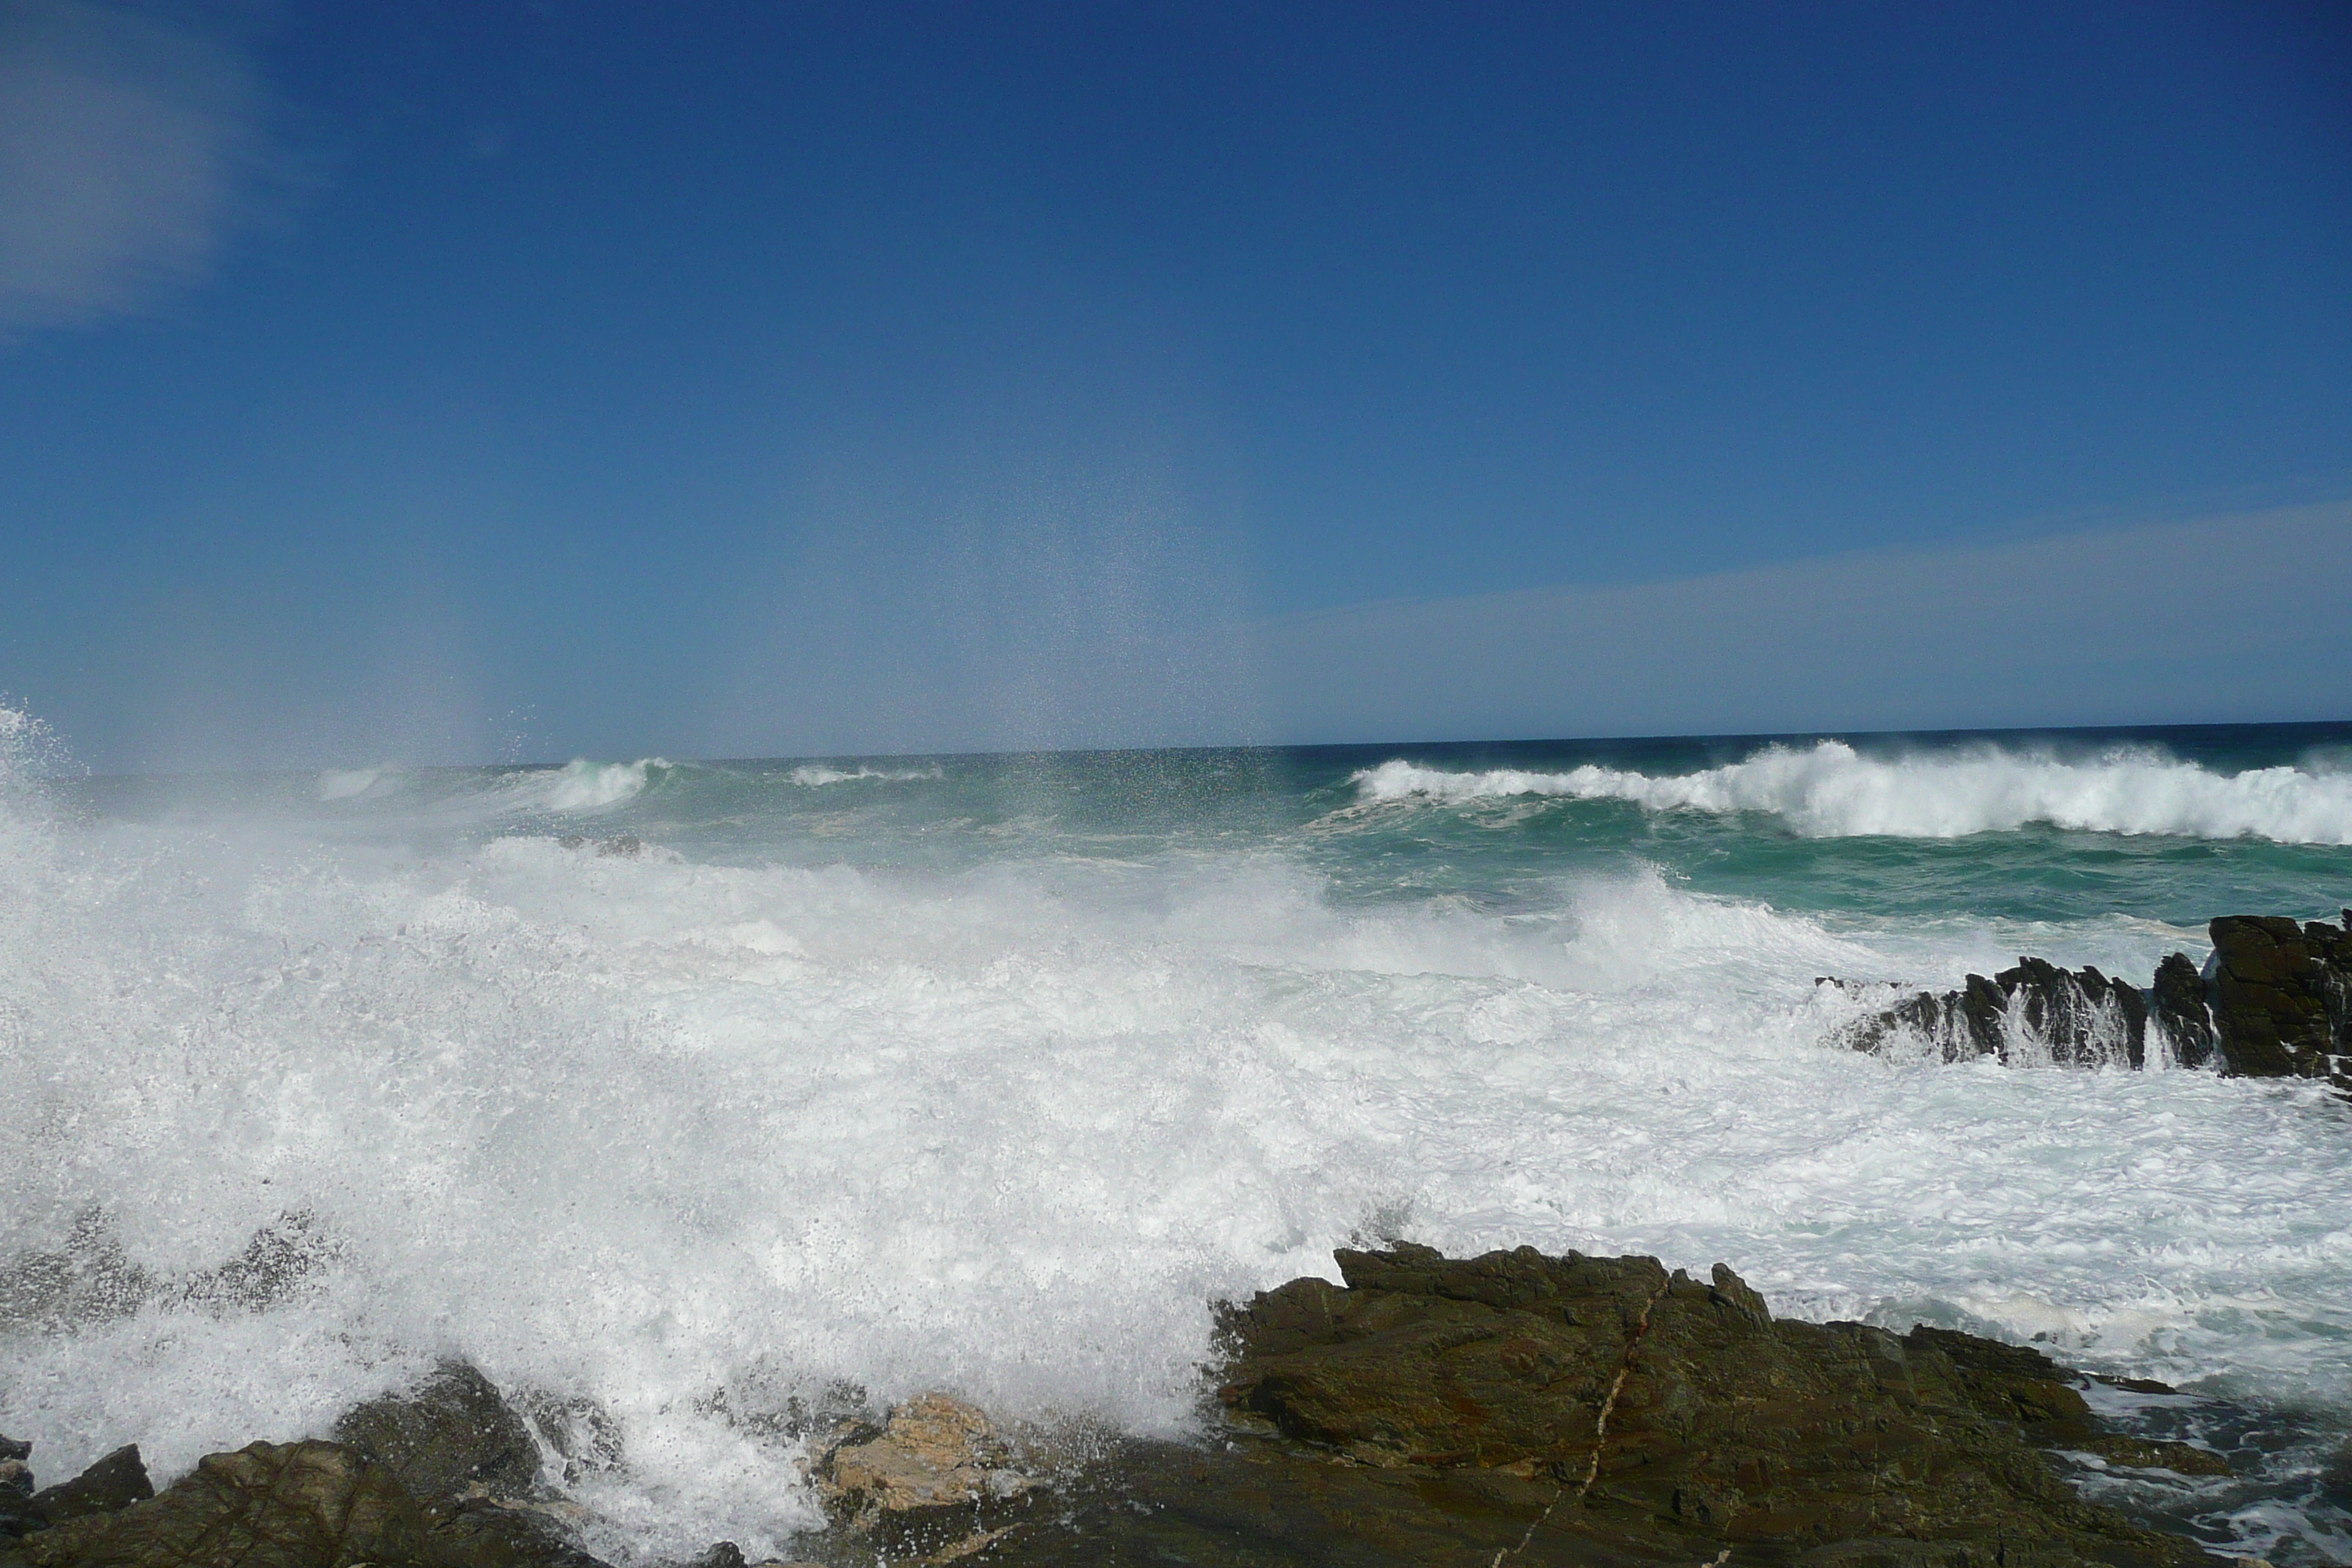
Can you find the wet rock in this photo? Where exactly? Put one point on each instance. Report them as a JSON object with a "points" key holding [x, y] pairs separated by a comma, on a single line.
{"points": [[118, 1481], [1620, 1412], [933, 1452], [16, 1487], [935, 1482], [2282, 998], [2036, 1010], [296, 1505], [2182, 1011], [470, 1461], [449, 1437]]}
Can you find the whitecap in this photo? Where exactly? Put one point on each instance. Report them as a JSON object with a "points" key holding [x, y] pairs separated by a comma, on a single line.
{"points": [[1831, 791]]}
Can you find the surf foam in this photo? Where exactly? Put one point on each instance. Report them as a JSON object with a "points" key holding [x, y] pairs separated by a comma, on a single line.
{"points": [[1831, 790], [692, 1141], [815, 775]]}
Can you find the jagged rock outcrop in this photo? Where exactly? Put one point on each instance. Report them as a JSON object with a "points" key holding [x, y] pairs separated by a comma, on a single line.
{"points": [[444, 1475], [1514, 1408], [2035, 1012], [2178, 1000], [449, 1437], [1517, 1409], [2282, 998], [295, 1505], [115, 1481], [2274, 1001]]}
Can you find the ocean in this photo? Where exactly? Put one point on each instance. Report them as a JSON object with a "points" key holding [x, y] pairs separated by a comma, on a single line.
{"points": [[699, 1092]]}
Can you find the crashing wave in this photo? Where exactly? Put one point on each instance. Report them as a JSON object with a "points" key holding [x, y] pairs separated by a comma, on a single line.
{"points": [[583, 785], [1831, 791]]}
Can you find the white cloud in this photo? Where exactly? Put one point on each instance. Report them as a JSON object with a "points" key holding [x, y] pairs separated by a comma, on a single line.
{"points": [[130, 144]]}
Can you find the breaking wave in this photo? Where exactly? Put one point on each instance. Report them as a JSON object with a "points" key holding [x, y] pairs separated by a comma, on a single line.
{"points": [[1831, 791], [583, 785], [816, 773]]}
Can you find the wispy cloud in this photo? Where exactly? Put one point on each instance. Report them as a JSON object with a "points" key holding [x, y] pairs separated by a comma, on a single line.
{"points": [[133, 147]]}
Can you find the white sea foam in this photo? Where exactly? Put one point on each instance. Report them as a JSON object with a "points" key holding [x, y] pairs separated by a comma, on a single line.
{"points": [[353, 784], [584, 785], [1831, 791], [689, 1139], [816, 773]]}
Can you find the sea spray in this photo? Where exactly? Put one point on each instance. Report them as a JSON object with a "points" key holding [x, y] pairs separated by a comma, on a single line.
{"points": [[693, 1135]]}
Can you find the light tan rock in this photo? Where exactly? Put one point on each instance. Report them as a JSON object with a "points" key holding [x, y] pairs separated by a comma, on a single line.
{"points": [[934, 1452]]}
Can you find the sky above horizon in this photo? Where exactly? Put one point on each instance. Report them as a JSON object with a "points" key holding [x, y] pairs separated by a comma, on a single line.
{"points": [[523, 380]]}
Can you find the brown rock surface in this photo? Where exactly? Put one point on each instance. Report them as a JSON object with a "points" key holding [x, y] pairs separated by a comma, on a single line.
{"points": [[936, 1483], [294, 1505], [1516, 1409]]}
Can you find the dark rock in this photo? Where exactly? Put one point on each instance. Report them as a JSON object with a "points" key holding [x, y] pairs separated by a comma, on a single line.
{"points": [[303, 1505], [449, 1437], [116, 1481], [507, 1532], [2181, 1012], [1626, 1412], [296, 1505], [2282, 998], [2078, 1017], [472, 1465], [16, 1489]]}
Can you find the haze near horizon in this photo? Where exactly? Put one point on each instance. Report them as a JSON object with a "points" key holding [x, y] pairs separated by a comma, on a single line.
{"points": [[556, 380]]}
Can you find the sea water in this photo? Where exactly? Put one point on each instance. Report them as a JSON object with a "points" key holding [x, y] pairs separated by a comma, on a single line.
{"points": [[700, 1093]]}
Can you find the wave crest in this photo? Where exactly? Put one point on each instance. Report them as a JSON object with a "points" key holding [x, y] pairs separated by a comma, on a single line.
{"points": [[816, 773], [583, 785], [1831, 791]]}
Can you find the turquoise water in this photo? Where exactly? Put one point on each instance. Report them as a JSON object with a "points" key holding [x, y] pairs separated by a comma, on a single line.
{"points": [[692, 1088]]}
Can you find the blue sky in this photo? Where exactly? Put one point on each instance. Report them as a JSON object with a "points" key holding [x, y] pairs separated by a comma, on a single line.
{"points": [[457, 383]]}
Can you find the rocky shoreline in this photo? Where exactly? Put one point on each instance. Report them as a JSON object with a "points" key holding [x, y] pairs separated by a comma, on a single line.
{"points": [[2274, 1000], [1514, 1409]]}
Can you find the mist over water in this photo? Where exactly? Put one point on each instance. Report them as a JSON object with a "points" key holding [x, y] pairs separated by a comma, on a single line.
{"points": [[696, 1089]]}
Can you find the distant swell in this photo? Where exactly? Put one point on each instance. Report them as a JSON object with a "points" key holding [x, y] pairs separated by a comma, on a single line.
{"points": [[1831, 791]]}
